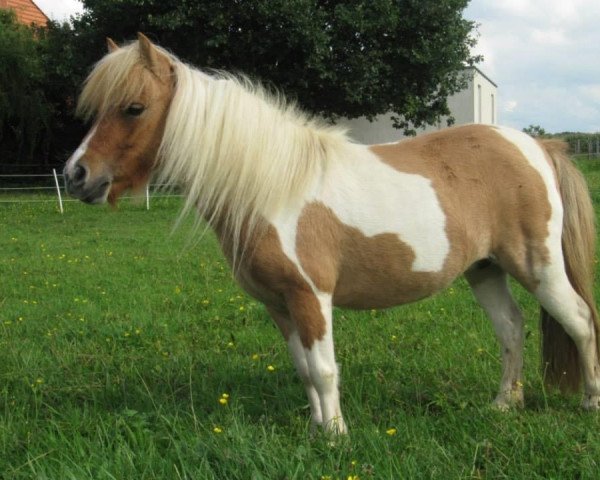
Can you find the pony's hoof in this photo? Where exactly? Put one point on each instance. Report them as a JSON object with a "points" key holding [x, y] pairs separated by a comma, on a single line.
{"points": [[509, 401], [315, 428], [591, 402], [335, 427], [501, 406]]}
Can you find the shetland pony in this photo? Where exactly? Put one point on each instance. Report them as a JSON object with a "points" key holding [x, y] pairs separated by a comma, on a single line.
{"points": [[309, 219]]}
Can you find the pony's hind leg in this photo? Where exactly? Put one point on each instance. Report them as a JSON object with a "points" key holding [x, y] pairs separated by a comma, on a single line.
{"points": [[490, 287], [290, 333]]}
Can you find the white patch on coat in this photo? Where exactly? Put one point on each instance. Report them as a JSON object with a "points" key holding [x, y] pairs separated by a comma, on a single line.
{"points": [[80, 152], [287, 225], [375, 198]]}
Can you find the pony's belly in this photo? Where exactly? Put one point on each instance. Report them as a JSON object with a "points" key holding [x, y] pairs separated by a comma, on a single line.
{"points": [[382, 289]]}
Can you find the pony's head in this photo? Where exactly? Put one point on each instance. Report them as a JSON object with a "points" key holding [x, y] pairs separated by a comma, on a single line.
{"points": [[127, 94]]}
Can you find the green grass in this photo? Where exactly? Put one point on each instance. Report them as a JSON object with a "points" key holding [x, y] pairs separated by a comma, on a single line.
{"points": [[118, 338]]}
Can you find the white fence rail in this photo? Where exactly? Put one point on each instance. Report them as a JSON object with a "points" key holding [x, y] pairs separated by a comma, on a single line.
{"points": [[56, 184]]}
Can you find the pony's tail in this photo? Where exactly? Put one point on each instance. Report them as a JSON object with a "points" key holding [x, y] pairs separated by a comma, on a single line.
{"points": [[560, 359]]}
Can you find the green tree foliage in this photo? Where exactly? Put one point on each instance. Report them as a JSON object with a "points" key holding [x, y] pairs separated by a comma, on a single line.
{"points": [[535, 131], [335, 58], [40, 75], [24, 111]]}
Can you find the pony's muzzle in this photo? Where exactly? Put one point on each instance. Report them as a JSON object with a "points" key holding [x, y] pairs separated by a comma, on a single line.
{"points": [[80, 184]]}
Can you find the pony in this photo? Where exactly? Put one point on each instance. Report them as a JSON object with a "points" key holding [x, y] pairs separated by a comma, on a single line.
{"points": [[309, 219]]}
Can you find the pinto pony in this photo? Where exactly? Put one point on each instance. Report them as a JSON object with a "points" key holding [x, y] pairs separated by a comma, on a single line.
{"points": [[309, 219]]}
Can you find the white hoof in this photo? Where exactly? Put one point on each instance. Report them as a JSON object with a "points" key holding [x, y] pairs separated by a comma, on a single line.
{"points": [[509, 400], [336, 426], [591, 402]]}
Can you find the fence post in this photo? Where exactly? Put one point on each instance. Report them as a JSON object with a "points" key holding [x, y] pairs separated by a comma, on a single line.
{"points": [[60, 203]]}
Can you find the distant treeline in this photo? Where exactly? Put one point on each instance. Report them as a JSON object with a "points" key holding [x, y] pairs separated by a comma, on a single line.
{"points": [[578, 142]]}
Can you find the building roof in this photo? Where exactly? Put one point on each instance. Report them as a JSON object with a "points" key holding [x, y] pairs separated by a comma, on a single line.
{"points": [[27, 12], [484, 76]]}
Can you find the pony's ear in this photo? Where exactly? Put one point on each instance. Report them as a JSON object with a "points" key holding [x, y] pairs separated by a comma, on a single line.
{"points": [[111, 45], [149, 53]]}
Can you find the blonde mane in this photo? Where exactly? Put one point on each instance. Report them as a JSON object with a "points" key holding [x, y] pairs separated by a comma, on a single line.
{"points": [[241, 155]]}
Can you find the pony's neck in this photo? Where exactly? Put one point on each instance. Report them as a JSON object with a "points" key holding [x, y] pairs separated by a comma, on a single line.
{"points": [[240, 154]]}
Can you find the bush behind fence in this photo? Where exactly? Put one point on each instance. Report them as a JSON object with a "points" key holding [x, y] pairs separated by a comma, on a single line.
{"points": [[581, 143]]}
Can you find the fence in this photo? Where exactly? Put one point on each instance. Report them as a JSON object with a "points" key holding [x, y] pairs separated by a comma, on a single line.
{"points": [[591, 148], [48, 183]]}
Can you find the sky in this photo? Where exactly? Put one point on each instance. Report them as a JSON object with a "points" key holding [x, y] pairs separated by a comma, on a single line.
{"points": [[544, 55], [59, 10]]}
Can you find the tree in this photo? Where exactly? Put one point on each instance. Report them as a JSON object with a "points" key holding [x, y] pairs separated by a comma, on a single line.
{"points": [[24, 111], [335, 58], [535, 131], [40, 75]]}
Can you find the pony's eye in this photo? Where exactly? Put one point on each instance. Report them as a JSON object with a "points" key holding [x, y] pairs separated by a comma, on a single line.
{"points": [[135, 109]]}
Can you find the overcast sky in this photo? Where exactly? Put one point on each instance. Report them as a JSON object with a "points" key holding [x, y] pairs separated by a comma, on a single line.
{"points": [[59, 10], [543, 54], [545, 57]]}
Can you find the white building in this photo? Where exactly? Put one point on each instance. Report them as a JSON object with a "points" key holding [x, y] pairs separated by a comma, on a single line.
{"points": [[478, 103]]}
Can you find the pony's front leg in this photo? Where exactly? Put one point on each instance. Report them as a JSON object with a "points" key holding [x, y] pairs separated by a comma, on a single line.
{"points": [[290, 333], [313, 318]]}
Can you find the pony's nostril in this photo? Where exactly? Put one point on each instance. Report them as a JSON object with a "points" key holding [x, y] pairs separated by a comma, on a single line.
{"points": [[79, 174]]}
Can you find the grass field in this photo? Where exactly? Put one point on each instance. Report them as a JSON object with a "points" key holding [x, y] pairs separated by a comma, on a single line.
{"points": [[127, 352]]}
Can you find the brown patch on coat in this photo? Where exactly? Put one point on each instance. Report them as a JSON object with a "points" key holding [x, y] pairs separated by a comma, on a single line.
{"points": [[267, 274], [360, 271]]}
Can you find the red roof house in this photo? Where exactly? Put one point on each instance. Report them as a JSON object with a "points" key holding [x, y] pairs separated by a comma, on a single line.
{"points": [[27, 12]]}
